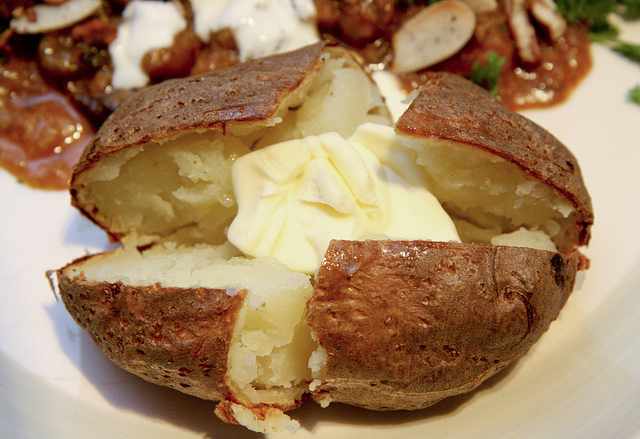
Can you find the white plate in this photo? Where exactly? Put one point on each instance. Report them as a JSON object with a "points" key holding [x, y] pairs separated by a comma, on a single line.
{"points": [[582, 380]]}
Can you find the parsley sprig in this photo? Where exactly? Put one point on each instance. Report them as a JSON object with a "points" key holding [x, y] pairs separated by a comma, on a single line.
{"points": [[631, 9], [634, 94], [595, 14], [631, 51], [488, 75]]}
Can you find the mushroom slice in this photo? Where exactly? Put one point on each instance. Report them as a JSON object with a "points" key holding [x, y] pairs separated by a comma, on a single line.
{"points": [[479, 6], [546, 13], [51, 17], [523, 31], [433, 35]]}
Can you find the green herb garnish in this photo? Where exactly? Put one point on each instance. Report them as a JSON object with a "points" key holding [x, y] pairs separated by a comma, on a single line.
{"points": [[631, 51], [634, 94], [595, 14], [630, 9], [591, 12], [488, 75]]}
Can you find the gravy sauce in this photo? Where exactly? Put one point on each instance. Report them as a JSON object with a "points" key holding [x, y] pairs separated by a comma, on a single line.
{"points": [[564, 63], [41, 134]]}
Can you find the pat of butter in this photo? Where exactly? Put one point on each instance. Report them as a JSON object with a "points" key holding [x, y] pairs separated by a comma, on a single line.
{"points": [[294, 197], [146, 25]]}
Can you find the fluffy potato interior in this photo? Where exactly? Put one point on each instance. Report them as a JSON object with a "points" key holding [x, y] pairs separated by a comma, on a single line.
{"points": [[268, 360], [490, 199], [340, 98], [182, 187], [271, 346]]}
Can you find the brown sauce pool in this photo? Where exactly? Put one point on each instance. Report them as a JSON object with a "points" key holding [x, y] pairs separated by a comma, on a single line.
{"points": [[564, 63], [41, 134]]}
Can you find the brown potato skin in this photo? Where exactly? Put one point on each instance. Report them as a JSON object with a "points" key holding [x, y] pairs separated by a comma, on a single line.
{"points": [[174, 337], [247, 92], [408, 323], [451, 108]]}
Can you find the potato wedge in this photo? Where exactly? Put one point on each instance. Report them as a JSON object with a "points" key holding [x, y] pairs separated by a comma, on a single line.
{"points": [[220, 115], [468, 138], [406, 324], [156, 332], [180, 306], [243, 342]]}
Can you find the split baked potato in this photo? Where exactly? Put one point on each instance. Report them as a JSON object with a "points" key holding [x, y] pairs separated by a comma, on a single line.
{"points": [[383, 322]]}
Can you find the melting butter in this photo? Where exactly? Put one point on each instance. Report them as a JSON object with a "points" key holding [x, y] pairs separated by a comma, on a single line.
{"points": [[294, 197]]}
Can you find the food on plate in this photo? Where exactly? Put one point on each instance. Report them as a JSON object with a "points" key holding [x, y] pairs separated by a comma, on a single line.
{"points": [[41, 133], [456, 280], [67, 64], [432, 35], [542, 56], [405, 324]]}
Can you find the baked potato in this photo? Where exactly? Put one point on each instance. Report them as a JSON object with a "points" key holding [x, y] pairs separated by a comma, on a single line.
{"points": [[381, 321]]}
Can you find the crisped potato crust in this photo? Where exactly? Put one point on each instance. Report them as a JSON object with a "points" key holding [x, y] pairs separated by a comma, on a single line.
{"points": [[407, 323], [247, 92], [453, 109], [174, 337], [388, 324]]}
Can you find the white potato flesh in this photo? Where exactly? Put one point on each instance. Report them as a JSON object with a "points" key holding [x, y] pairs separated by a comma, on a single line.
{"points": [[270, 347], [273, 421], [183, 185], [487, 195]]}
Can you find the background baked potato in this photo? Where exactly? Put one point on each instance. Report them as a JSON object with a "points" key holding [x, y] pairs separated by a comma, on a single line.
{"points": [[385, 323]]}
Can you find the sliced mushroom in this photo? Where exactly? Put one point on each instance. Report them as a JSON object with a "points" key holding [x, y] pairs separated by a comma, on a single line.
{"points": [[523, 31], [433, 35], [50, 17], [479, 6], [544, 12]]}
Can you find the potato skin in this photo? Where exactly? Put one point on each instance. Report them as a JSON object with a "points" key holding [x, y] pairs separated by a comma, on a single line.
{"points": [[174, 337], [408, 323], [248, 92], [451, 108]]}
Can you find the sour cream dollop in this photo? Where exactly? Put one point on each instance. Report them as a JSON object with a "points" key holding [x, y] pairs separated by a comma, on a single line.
{"points": [[146, 25], [260, 27]]}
